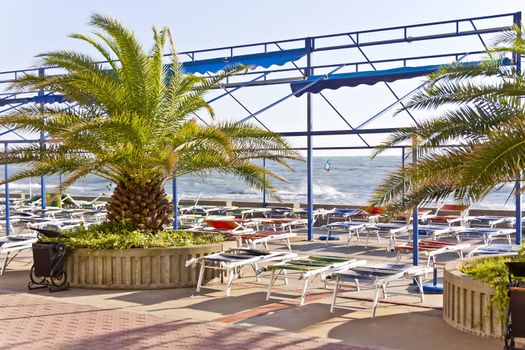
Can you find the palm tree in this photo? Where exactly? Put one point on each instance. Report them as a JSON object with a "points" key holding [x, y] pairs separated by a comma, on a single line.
{"points": [[133, 126], [479, 108]]}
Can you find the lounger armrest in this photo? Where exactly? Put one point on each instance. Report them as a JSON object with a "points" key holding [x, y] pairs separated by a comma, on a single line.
{"points": [[453, 221]]}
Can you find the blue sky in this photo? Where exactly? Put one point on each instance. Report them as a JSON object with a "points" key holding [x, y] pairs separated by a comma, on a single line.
{"points": [[38, 26]]}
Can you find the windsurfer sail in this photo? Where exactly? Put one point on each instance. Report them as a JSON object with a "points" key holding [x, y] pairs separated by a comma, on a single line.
{"points": [[327, 165]]}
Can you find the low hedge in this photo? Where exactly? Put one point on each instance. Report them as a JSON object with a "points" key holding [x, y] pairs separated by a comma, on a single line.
{"points": [[114, 236]]}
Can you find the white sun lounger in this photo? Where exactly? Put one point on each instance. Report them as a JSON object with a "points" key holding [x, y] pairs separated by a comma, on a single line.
{"points": [[245, 212], [378, 276], [487, 234], [265, 237], [491, 249], [489, 220], [307, 268], [231, 261], [11, 246], [437, 231], [392, 230], [433, 249], [348, 227]]}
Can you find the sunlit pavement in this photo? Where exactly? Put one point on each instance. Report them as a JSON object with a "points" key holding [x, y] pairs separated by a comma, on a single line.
{"points": [[178, 318]]}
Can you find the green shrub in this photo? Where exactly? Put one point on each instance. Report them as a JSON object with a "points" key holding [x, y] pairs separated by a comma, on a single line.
{"points": [[115, 236]]}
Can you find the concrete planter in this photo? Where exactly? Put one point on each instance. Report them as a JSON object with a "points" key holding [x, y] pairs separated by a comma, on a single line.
{"points": [[152, 268], [466, 304]]}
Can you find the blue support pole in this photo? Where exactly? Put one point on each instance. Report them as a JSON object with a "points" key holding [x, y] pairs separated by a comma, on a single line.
{"points": [[7, 207], [518, 213], [175, 204], [42, 143], [264, 188], [519, 231], [415, 216], [403, 166], [309, 145]]}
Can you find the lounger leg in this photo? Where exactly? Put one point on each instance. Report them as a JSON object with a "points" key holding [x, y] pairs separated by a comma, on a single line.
{"points": [[419, 282], [285, 277], [231, 276], [305, 290], [357, 285], [270, 284], [376, 301], [4, 263], [327, 237], [255, 270], [334, 296], [508, 238], [201, 276], [288, 244], [398, 257], [366, 241], [323, 278]]}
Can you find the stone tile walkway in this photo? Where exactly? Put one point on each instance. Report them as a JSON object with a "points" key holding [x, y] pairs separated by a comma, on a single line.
{"points": [[36, 322]]}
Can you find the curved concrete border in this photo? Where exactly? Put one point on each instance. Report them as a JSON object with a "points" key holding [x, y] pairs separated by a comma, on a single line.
{"points": [[152, 268], [466, 303]]}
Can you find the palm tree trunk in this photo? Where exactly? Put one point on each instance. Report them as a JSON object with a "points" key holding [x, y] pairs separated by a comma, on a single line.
{"points": [[142, 204]]}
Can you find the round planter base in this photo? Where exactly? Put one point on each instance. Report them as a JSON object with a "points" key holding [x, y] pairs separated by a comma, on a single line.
{"points": [[152, 268]]}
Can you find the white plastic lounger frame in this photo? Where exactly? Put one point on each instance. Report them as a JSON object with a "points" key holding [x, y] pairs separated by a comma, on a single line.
{"points": [[489, 221], [351, 228], [486, 233], [437, 231], [252, 211], [379, 282], [278, 236], [10, 249], [392, 230], [232, 266], [309, 276], [491, 249], [433, 254]]}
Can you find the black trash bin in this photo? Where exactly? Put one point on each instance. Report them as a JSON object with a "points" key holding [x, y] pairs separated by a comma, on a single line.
{"points": [[48, 266], [515, 325]]}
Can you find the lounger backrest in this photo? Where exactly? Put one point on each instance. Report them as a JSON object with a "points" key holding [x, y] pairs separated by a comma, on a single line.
{"points": [[16, 245], [374, 210], [453, 209], [222, 224]]}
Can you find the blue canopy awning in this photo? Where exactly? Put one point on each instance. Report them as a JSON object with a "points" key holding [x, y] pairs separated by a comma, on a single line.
{"points": [[317, 83], [265, 60], [35, 99]]}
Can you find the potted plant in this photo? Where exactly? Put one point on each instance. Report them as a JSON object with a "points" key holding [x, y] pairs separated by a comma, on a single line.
{"points": [[134, 125]]}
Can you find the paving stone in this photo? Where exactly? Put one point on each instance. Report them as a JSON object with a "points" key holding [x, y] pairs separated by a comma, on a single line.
{"points": [[36, 322]]}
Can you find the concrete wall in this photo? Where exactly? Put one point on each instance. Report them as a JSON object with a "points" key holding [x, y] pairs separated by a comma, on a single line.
{"points": [[466, 304], [152, 268]]}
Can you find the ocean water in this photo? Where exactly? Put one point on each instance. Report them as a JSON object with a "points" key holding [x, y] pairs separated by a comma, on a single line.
{"points": [[350, 180]]}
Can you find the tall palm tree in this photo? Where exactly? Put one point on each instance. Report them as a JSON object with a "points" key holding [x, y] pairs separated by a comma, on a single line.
{"points": [[133, 125], [480, 108]]}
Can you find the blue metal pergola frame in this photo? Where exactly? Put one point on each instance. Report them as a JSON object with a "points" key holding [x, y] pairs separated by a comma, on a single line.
{"points": [[294, 71]]}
